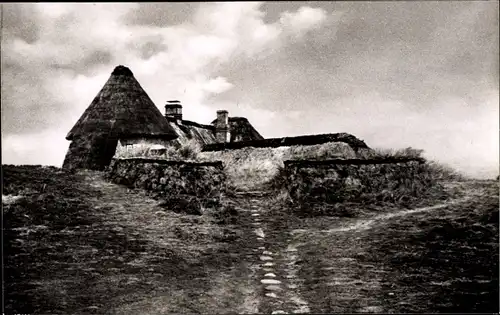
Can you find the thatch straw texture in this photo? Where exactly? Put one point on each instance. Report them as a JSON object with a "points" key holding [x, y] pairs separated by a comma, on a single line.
{"points": [[242, 130], [122, 109], [91, 152], [307, 140], [189, 130]]}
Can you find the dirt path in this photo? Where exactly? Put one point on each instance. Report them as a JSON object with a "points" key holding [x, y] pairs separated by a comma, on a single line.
{"points": [[366, 224], [279, 250], [275, 256]]}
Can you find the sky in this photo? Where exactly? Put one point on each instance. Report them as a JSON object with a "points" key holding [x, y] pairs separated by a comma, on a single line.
{"points": [[421, 74]]}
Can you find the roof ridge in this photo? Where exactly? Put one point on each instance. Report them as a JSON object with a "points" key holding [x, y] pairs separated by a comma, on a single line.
{"points": [[122, 70]]}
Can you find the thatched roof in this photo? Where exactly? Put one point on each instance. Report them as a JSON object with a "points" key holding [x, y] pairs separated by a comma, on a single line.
{"points": [[190, 130], [122, 109], [351, 140], [242, 130]]}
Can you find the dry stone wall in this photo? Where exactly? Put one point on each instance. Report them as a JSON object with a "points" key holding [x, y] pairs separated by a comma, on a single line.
{"points": [[334, 181], [249, 167], [182, 183]]}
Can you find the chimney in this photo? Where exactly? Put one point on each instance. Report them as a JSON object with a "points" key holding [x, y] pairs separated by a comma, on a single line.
{"points": [[173, 111], [222, 132]]}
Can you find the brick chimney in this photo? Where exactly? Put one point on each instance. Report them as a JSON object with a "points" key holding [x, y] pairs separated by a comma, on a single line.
{"points": [[173, 111], [222, 132]]}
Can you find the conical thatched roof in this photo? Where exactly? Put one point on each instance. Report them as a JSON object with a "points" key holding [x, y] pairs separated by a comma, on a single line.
{"points": [[122, 109]]}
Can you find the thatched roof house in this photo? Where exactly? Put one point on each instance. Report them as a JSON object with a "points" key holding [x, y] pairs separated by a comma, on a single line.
{"points": [[122, 118], [123, 111], [122, 115]]}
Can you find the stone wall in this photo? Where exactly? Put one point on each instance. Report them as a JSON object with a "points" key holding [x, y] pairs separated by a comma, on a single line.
{"points": [[334, 181], [248, 168], [177, 181]]}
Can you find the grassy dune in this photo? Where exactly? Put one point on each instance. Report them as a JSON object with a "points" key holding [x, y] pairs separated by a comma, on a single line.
{"points": [[437, 259], [74, 244]]}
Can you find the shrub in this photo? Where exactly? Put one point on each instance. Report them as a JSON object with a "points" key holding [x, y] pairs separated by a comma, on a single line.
{"points": [[135, 151], [444, 172], [380, 153], [278, 181], [189, 150], [171, 153]]}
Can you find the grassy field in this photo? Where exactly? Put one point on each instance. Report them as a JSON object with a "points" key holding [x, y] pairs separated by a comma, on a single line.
{"points": [[74, 244], [440, 259]]}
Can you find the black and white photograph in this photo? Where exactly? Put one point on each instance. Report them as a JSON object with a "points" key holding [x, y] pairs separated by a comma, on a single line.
{"points": [[274, 157]]}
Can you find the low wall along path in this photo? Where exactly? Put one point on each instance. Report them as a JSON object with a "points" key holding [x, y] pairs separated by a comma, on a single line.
{"points": [[201, 182], [341, 180]]}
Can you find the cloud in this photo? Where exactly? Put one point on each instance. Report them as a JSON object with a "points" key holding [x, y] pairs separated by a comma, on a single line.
{"points": [[396, 74], [39, 148], [15, 17], [217, 85], [58, 58], [303, 20], [159, 14]]}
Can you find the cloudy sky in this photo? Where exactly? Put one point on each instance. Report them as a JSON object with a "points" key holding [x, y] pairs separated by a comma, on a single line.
{"points": [[395, 74]]}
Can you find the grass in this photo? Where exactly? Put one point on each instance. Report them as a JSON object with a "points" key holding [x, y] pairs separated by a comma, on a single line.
{"points": [[74, 243], [188, 151], [383, 153], [458, 255], [395, 188], [50, 201], [443, 260], [250, 168]]}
